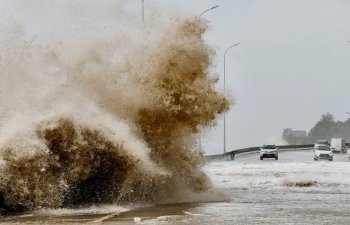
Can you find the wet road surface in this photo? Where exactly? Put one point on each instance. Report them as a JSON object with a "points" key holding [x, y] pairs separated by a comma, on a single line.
{"points": [[257, 192]]}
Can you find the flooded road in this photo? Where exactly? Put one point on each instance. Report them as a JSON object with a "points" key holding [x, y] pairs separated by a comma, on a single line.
{"points": [[293, 190]]}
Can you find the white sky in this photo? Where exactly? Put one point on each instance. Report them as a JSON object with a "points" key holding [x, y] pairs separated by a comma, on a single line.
{"points": [[292, 64]]}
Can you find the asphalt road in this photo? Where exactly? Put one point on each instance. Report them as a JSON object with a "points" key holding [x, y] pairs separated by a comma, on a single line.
{"points": [[288, 156]]}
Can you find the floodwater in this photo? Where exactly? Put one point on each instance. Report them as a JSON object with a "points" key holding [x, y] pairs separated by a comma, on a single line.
{"points": [[293, 190]]}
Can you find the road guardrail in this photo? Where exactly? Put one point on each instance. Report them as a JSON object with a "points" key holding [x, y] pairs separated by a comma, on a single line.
{"points": [[228, 155]]}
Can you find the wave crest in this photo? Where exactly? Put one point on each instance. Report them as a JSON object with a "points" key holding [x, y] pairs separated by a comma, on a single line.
{"points": [[72, 140]]}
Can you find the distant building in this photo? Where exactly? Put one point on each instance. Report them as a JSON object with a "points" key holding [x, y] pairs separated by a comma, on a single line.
{"points": [[299, 133], [294, 136]]}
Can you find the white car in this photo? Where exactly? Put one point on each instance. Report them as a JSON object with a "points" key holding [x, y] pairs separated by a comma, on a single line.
{"points": [[269, 151], [321, 143], [323, 152]]}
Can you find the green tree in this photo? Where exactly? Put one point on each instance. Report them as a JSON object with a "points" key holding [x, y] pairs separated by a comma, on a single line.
{"points": [[324, 129]]}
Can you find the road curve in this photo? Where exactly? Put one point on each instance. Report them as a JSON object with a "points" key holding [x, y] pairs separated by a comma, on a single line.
{"points": [[287, 156]]}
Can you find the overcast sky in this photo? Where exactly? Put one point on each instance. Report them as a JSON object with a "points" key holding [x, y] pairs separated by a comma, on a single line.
{"points": [[292, 64], [291, 67]]}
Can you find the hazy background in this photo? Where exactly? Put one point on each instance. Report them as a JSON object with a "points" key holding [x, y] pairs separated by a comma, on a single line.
{"points": [[292, 64], [291, 67]]}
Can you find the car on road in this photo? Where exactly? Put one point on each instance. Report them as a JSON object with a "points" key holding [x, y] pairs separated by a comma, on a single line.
{"points": [[321, 142], [323, 152], [269, 151]]}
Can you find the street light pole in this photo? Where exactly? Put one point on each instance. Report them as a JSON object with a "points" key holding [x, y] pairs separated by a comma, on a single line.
{"points": [[225, 92], [143, 10], [214, 7], [199, 139]]}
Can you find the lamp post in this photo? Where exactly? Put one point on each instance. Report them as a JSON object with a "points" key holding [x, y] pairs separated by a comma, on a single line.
{"points": [[143, 10], [199, 139], [214, 7], [225, 92]]}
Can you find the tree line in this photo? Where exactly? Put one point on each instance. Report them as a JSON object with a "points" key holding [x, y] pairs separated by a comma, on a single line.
{"points": [[325, 129]]}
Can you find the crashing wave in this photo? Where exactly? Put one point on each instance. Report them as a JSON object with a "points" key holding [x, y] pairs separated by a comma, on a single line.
{"points": [[109, 120]]}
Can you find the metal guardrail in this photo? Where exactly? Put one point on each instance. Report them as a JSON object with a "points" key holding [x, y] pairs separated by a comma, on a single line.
{"points": [[208, 158]]}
